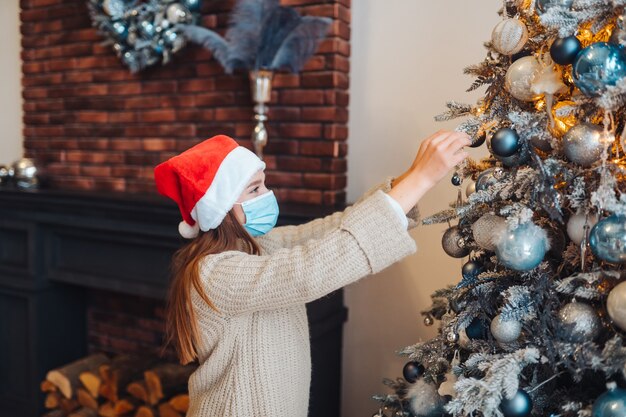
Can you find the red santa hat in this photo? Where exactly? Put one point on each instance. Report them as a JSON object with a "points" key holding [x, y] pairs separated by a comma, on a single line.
{"points": [[206, 181]]}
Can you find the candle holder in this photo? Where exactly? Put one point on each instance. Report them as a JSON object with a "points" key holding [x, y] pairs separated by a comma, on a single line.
{"points": [[261, 88]]}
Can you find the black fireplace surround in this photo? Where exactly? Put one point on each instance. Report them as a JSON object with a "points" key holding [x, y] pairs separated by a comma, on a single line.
{"points": [[56, 245]]}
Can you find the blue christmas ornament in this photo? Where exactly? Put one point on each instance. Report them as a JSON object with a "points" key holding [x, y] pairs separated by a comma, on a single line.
{"points": [[505, 142], [523, 248], [519, 406], [120, 29], [193, 5], [598, 66], [472, 269], [610, 404], [564, 50], [478, 329], [608, 239], [412, 371]]}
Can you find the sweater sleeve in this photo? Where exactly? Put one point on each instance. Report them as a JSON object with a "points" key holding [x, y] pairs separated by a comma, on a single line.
{"points": [[369, 238], [290, 236]]}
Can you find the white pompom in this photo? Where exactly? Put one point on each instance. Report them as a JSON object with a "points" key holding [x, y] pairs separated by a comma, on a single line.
{"points": [[188, 231]]}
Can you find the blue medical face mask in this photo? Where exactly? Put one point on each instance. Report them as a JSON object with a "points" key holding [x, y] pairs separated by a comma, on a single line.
{"points": [[261, 213]]}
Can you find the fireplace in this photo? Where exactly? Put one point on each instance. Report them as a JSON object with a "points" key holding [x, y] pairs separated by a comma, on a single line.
{"points": [[87, 272]]}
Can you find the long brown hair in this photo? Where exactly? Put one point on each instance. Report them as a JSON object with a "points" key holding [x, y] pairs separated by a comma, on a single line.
{"points": [[181, 327]]}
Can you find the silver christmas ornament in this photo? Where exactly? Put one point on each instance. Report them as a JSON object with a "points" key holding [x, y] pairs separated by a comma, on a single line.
{"points": [[452, 337], [487, 178], [583, 144], [6, 174], [424, 399], [453, 243], [543, 5], [505, 331], [607, 239], [177, 13], [509, 36], [520, 76], [25, 173], [616, 305], [576, 226], [114, 8], [487, 229], [522, 248], [580, 322], [429, 321]]}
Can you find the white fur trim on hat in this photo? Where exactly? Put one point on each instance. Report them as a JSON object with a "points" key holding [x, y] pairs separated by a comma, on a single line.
{"points": [[231, 179], [188, 231]]}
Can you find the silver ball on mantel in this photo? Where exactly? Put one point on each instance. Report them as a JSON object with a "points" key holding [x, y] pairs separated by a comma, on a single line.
{"points": [[509, 36], [616, 305], [25, 173], [6, 174], [580, 321], [486, 230], [453, 243], [520, 76], [583, 144], [505, 331]]}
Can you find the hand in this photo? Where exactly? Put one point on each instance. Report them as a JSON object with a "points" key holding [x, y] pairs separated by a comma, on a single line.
{"points": [[437, 155]]}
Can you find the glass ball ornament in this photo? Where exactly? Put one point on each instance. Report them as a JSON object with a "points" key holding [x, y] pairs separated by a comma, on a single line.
{"points": [[471, 188], [25, 173], [610, 404], [522, 248], [521, 405], [6, 174], [505, 142], [505, 331], [429, 321], [519, 78], [486, 229], [583, 144], [564, 50], [412, 371], [479, 140], [543, 5], [452, 337], [456, 180], [509, 36], [580, 322], [471, 269], [487, 178], [193, 5], [608, 239], [452, 243], [616, 305], [576, 226], [597, 66], [477, 329], [114, 8]]}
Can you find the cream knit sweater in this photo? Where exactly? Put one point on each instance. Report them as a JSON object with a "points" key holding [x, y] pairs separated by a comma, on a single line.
{"points": [[254, 353]]}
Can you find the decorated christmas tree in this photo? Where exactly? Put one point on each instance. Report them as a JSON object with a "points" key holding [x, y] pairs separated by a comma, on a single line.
{"points": [[537, 322]]}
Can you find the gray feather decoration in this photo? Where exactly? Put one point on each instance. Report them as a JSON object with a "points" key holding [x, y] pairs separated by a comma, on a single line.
{"points": [[263, 35]]}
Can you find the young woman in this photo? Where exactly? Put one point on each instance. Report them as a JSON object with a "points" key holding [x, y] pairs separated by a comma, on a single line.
{"points": [[237, 301]]}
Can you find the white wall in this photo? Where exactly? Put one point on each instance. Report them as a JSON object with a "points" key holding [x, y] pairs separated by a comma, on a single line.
{"points": [[407, 61], [10, 83]]}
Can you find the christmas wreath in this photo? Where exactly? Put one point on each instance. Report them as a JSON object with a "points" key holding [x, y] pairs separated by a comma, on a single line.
{"points": [[144, 33]]}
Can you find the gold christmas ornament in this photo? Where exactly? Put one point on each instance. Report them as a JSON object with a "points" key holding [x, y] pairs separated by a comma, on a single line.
{"points": [[519, 78], [509, 36]]}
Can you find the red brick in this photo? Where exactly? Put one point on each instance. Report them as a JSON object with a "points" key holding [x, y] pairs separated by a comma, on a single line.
{"points": [[141, 102], [158, 144], [158, 87], [95, 170], [339, 63], [165, 115], [77, 77], [286, 81], [195, 115], [334, 45], [126, 144], [325, 114], [233, 114], [322, 148], [300, 130], [326, 79], [95, 157], [283, 179], [316, 63], [122, 117], [302, 97], [325, 181], [125, 89], [336, 132], [300, 196], [199, 85], [92, 117]]}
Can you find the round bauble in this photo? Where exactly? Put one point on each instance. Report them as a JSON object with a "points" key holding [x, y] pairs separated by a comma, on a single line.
{"points": [[429, 321], [456, 180], [471, 188], [25, 173], [472, 269], [487, 229], [580, 322], [478, 329], [608, 239], [515, 160], [522, 248], [505, 142], [610, 404], [452, 243], [487, 178], [520, 405], [505, 331], [193, 5], [576, 226], [509, 36], [5, 175], [519, 78], [616, 305], [583, 144], [544, 5], [412, 371], [479, 140], [598, 66], [564, 50]]}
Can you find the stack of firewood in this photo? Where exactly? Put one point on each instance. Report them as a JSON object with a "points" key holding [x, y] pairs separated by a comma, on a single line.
{"points": [[123, 386]]}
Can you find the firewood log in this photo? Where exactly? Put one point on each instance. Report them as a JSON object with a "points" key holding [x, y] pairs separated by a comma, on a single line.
{"points": [[68, 405], [120, 372], [55, 413], [66, 377], [91, 382], [139, 390], [145, 411], [47, 386], [180, 403], [166, 410], [124, 406], [167, 378], [84, 412], [85, 399], [52, 400]]}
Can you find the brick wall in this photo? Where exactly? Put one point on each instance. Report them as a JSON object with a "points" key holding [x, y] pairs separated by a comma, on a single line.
{"points": [[92, 125]]}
